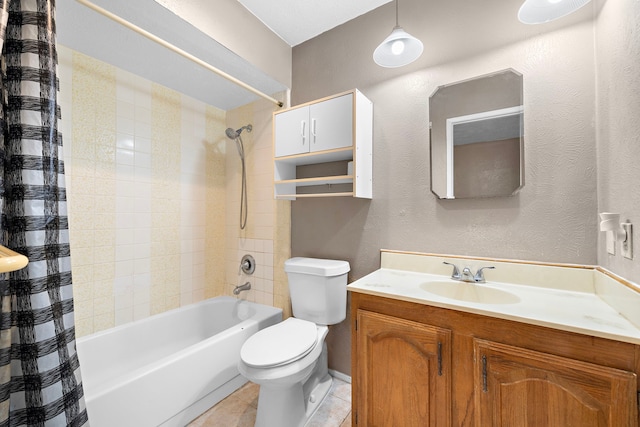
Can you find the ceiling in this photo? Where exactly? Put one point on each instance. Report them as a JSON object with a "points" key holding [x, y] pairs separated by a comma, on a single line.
{"points": [[297, 21]]}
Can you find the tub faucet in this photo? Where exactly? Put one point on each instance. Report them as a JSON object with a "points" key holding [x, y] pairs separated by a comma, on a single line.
{"points": [[238, 289]]}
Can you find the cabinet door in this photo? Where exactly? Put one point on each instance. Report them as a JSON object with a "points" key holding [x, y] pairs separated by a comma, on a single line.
{"points": [[516, 387], [332, 123], [292, 132], [403, 373]]}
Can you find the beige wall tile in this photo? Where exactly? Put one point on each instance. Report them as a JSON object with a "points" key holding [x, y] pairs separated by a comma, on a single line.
{"points": [[153, 226]]}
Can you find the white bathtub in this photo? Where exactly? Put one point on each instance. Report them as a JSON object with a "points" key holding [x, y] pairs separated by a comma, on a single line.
{"points": [[167, 369]]}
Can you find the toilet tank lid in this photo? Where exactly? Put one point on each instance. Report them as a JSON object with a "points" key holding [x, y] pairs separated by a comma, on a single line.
{"points": [[316, 266]]}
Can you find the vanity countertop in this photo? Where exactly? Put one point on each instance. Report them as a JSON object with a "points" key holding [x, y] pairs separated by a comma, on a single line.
{"points": [[584, 307]]}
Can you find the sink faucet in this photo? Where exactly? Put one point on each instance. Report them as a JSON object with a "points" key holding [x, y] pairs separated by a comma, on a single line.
{"points": [[467, 275]]}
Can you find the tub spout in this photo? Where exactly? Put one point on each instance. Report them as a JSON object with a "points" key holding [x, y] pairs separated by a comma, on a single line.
{"points": [[241, 288]]}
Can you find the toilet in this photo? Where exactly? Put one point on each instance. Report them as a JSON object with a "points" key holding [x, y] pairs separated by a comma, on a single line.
{"points": [[289, 360]]}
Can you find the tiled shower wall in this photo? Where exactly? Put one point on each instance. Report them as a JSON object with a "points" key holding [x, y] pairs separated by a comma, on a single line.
{"points": [[267, 233], [153, 189]]}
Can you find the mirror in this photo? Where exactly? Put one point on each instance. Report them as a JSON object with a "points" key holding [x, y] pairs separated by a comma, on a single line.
{"points": [[476, 132]]}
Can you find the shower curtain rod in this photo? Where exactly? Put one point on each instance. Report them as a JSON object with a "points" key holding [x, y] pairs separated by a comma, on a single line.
{"points": [[177, 50]]}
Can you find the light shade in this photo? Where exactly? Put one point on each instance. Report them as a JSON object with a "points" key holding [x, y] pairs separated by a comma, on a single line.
{"points": [[541, 11], [398, 49]]}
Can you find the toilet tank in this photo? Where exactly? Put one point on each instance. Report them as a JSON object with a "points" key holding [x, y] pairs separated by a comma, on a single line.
{"points": [[318, 289]]}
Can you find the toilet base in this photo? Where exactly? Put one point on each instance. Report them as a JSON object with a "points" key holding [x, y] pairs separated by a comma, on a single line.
{"points": [[285, 407], [318, 395], [280, 407], [294, 405]]}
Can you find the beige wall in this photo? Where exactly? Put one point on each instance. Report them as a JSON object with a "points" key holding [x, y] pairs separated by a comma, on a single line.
{"points": [[153, 195], [618, 124], [551, 219]]}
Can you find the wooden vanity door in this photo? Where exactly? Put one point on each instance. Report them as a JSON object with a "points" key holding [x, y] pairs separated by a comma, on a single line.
{"points": [[403, 373], [516, 387]]}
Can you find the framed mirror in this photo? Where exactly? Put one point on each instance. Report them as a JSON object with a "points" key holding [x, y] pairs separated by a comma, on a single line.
{"points": [[477, 138]]}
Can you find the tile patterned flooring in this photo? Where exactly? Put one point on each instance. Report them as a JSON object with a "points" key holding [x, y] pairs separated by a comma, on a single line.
{"points": [[239, 409]]}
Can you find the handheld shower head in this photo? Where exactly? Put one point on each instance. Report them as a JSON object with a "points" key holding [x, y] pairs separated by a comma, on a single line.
{"points": [[233, 134]]}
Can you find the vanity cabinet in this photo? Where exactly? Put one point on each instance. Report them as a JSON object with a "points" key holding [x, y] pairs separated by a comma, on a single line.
{"points": [[404, 372], [336, 129], [519, 387], [495, 372]]}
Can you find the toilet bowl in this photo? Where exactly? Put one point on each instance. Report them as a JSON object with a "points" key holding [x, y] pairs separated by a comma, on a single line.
{"points": [[289, 360], [284, 400]]}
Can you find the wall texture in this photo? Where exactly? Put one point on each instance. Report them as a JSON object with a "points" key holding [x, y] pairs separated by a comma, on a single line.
{"points": [[551, 219], [618, 124]]}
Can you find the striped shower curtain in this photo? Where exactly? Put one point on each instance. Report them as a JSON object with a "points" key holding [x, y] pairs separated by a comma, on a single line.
{"points": [[40, 382]]}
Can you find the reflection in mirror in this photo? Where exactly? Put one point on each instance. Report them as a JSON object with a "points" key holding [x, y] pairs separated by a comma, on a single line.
{"points": [[477, 137]]}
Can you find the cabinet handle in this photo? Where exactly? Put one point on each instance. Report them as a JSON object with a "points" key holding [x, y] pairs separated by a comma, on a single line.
{"points": [[484, 373], [439, 359], [303, 127], [313, 129]]}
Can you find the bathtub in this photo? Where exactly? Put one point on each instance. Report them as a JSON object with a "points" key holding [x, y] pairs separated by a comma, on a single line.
{"points": [[167, 369]]}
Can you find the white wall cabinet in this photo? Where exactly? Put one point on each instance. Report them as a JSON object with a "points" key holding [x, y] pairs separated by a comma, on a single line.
{"points": [[317, 127], [336, 128]]}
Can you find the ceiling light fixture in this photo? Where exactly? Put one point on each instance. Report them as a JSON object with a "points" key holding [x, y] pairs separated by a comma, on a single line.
{"points": [[541, 11], [398, 49]]}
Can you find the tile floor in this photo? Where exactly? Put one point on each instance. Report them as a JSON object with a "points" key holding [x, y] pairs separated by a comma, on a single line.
{"points": [[239, 409]]}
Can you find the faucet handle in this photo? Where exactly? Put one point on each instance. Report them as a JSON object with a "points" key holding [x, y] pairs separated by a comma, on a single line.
{"points": [[479, 277], [455, 275]]}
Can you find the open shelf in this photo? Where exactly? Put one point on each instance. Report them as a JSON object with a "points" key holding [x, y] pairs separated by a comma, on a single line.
{"points": [[321, 180], [294, 196], [318, 157]]}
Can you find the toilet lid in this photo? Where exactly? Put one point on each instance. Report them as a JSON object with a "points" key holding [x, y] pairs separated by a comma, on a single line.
{"points": [[283, 343]]}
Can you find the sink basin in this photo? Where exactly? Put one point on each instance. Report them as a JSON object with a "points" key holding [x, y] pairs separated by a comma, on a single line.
{"points": [[469, 292]]}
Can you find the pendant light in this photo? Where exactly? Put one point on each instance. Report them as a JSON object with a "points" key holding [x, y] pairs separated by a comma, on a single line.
{"points": [[398, 49], [541, 11]]}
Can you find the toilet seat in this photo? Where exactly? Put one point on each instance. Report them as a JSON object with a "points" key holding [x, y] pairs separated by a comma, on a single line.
{"points": [[280, 344]]}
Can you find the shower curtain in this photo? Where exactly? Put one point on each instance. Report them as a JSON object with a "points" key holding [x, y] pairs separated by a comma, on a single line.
{"points": [[40, 382]]}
